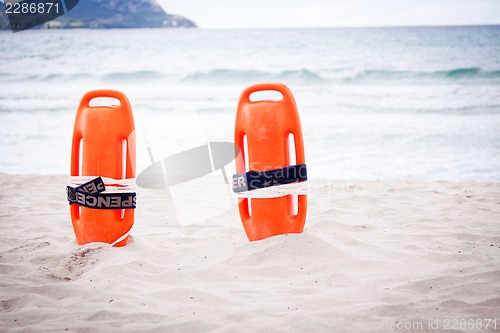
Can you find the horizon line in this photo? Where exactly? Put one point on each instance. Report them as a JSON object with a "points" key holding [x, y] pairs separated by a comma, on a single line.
{"points": [[354, 27]]}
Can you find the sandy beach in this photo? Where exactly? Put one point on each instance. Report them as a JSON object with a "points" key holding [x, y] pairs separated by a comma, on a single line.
{"points": [[375, 257]]}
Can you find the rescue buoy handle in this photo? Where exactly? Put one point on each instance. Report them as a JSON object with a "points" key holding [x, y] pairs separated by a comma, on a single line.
{"points": [[279, 87], [104, 94]]}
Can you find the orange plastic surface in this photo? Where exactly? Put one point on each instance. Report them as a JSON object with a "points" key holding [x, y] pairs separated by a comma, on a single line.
{"points": [[103, 130], [267, 125]]}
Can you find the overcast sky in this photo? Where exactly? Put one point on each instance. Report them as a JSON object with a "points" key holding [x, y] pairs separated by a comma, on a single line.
{"points": [[213, 14]]}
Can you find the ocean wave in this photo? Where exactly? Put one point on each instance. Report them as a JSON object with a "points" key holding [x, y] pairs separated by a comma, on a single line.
{"points": [[139, 76], [465, 73], [134, 75], [302, 76], [53, 77], [6, 75]]}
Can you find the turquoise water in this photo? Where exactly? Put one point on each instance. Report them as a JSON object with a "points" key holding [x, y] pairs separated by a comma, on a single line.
{"points": [[385, 103]]}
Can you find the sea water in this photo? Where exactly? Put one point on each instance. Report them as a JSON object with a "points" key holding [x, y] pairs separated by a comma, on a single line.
{"points": [[375, 104]]}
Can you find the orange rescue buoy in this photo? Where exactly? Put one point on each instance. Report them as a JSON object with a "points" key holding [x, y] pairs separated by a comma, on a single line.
{"points": [[267, 125], [103, 145]]}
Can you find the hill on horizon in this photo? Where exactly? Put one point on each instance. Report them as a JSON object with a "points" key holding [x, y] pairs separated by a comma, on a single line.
{"points": [[108, 14]]}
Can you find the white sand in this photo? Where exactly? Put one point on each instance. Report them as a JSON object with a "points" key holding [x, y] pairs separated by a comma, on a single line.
{"points": [[374, 256]]}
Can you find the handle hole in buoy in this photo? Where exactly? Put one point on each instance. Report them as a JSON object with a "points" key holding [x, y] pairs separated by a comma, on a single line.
{"points": [[124, 158], [80, 157], [80, 168], [266, 95], [109, 102], [124, 167], [245, 153], [292, 154], [246, 159], [292, 160]]}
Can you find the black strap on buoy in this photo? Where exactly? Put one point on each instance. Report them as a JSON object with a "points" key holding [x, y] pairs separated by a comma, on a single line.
{"points": [[90, 195], [253, 180]]}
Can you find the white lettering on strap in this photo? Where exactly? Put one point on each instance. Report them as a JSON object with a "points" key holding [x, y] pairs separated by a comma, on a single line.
{"points": [[301, 188]]}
